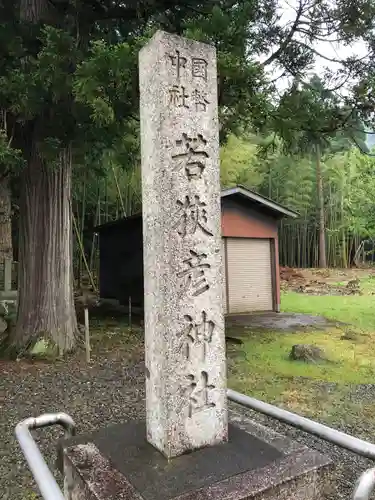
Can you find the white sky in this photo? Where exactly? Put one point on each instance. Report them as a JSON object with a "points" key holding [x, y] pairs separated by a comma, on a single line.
{"points": [[328, 48]]}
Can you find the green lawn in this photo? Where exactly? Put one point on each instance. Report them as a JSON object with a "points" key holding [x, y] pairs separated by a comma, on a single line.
{"points": [[261, 366], [357, 310]]}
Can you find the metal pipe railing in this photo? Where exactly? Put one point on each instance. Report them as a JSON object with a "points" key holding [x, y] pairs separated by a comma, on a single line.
{"points": [[47, 484], [50, 490], [351, 443], [366, 483]]}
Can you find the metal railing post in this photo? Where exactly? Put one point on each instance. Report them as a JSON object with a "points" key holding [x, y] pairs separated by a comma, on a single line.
{"points": [[365, 485], [47, 484]]}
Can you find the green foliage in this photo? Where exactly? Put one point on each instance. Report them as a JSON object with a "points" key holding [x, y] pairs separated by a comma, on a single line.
{"points": [[349, 194], [10, 158], [308, 115], [75, 76], [72, 78], [238, 163], [104, 81]]}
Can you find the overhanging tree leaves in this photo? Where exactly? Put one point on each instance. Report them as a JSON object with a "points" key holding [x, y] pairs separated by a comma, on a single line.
{"points": [[68, 86], [70, 94]]}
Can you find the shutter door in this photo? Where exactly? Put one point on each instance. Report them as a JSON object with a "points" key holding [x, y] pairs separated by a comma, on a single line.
{"points": [[249, 275], [224, 276]]}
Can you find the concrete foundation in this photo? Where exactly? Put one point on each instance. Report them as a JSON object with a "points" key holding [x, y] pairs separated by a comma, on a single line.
{"points": [[117, 463]]}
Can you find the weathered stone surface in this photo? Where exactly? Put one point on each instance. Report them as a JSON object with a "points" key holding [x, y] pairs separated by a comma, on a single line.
{"points": [[256, 463], [307, 353], [184, 327], [89, 476]]}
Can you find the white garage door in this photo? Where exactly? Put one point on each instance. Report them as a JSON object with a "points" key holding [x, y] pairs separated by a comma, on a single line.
{"points": [[224, 257], [249, 275]]}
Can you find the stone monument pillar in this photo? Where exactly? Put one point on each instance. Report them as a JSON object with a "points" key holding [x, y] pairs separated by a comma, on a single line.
{"points": [[184, 326]]}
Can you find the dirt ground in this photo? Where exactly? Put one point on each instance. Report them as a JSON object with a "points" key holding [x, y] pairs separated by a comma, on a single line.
{"points": [[324, 281], [110, 390]]}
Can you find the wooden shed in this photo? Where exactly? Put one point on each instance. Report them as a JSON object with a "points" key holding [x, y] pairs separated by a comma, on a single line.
{"points": [[250, 250]]}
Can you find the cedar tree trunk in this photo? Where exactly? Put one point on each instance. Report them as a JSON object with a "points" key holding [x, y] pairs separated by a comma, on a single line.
{"points": [[6, 247], [46, 302], [45, 277]]}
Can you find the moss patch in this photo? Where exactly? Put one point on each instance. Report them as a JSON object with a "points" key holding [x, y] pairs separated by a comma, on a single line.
{"points": [[352, 361]]}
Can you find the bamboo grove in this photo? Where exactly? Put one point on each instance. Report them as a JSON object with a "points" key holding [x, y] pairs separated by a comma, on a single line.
{"points": [[348, 188], [348, 198]]}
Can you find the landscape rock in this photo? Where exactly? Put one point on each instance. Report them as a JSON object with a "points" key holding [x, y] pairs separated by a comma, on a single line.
{"points": [[307, 353], [349, 335], [43, 348]]}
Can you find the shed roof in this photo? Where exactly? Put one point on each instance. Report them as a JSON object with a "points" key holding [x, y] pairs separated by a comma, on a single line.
{"points": [[258, 199], [240, 192]]}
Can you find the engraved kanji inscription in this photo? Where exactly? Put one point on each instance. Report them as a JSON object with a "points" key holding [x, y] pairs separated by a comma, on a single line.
{"points": [[193, 273], [199, 68], [178, 61], [191, 154], [196, 336], [199, 393], [178, 97], [191, 216], [200, 99]]}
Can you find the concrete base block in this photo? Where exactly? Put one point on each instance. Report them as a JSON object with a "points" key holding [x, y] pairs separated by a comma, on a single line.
{"points": [[117, 463]]}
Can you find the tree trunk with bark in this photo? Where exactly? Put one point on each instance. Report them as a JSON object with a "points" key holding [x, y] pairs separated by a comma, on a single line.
{"points": [[321, 214], [45, 279], [6, 247], [46, 301]]}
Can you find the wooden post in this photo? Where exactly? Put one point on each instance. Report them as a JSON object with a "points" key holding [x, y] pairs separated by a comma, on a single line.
{"points": [[87, 336], [7, 275]]}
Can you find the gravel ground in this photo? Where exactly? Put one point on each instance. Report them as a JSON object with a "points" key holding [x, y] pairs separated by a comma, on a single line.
{"points": [[348, 466], [111, 390]]}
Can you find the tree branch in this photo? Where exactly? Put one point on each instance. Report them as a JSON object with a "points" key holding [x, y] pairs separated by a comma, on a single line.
{"points": [[128, 12], [372, 155], [288, 38]]}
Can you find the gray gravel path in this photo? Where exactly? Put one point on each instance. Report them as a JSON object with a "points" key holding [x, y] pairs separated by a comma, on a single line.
{"points": [[109, 391]]}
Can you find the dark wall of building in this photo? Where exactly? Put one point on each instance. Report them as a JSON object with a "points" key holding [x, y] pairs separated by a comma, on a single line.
{"points": [[121, 262], [121, 248]]}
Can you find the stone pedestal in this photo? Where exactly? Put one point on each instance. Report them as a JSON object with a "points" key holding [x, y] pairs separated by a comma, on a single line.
{"points": [[117, 463]]}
